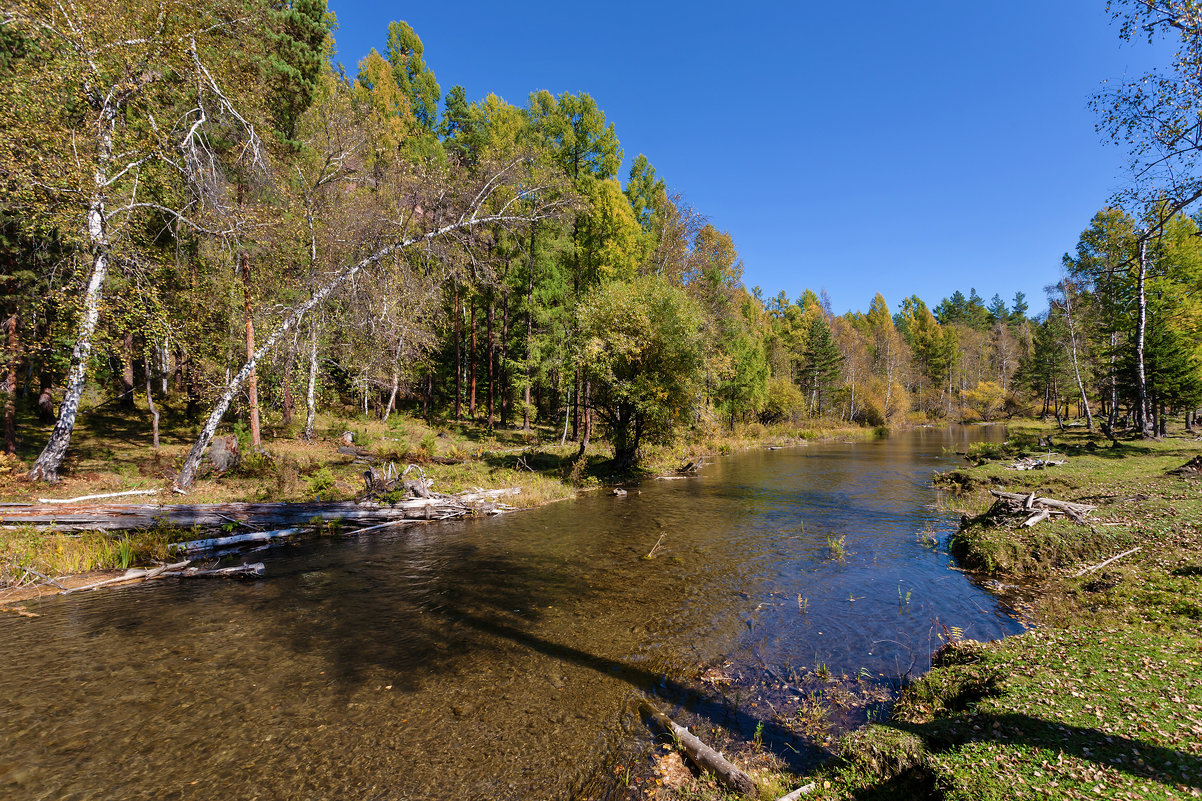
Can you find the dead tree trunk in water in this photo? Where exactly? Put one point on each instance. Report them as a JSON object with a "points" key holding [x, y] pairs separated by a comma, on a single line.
{"points": [[701, 754]]}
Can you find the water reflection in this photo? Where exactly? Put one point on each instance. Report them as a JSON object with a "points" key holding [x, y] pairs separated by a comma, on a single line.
{"points": [[488, 658]]}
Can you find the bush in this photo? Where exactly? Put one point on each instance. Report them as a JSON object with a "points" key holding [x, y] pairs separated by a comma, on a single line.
{"points": [[321, 482]]}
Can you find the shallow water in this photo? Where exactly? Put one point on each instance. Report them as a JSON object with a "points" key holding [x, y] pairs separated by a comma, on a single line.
{"points": [[489, 658]]}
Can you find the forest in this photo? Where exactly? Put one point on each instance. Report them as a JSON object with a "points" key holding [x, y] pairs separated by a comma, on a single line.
{"points": [[202, 209]]}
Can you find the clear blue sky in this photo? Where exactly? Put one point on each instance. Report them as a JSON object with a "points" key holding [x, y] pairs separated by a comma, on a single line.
{"points": [[881, 146]]}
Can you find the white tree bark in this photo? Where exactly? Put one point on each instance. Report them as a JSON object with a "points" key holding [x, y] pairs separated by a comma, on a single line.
{"points": [[116, 95], [47, 465], [311, 392], [1072, 339], [191, 464], [1141, 412]]}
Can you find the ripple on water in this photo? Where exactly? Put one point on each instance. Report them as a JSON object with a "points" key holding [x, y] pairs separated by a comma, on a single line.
{"points": [[483, 658]]}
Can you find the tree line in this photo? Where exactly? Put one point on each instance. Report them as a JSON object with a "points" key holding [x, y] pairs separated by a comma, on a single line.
{"points": [[200, 205]]}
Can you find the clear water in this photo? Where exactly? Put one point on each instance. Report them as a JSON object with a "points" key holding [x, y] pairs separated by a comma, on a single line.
{"points": [[491, 658]]}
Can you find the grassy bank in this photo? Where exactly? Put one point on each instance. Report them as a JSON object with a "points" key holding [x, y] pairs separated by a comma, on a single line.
{"points": [[1103, 698]]}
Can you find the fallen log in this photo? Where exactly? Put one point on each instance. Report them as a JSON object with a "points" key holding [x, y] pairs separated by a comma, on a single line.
{"points": [[702, 755], [130, 575], [797, 794], [268, 516], [101, 495], [1033, 463], [198, 546], [177, 570], [1038, 517], [256, 569], [1101, 565]]}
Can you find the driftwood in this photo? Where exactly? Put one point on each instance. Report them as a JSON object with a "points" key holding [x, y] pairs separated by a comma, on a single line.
{"points": [[199, 546], [268, 516], [177, 570], [1034, 463], [804, 790], [1101, 565], [1191, 469], [1035, 510], [702, 755], [97, 497]]}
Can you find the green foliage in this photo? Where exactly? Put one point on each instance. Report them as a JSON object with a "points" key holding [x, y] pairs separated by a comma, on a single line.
{"points": [[574, 130], [645, 191], [639, 343], [820, 361], [293, 65], [414, 79], [321, 482]]}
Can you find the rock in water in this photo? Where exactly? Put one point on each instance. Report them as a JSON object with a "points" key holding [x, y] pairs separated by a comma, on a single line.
{"points": [[224, 453]]}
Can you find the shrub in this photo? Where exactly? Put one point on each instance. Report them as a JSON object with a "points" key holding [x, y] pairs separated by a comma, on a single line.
{"points": [[321, 482]]}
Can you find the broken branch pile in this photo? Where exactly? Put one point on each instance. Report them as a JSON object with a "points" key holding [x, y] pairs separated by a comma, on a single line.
{"points": [[113, 517], [1035, 463], [1035, 510]]}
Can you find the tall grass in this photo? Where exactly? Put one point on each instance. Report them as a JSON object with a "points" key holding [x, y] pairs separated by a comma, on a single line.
{"points": [[59, 553]]}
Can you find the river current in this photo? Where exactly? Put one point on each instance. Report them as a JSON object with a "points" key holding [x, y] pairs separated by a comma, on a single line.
{"points": [[496, 658]]}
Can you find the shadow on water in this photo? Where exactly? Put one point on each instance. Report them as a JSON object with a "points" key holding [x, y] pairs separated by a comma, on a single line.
{"points": [[490, 654]]}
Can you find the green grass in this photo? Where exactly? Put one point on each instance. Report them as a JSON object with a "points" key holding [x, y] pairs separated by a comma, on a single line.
{"points": [[58, 554], [1103, 698]]}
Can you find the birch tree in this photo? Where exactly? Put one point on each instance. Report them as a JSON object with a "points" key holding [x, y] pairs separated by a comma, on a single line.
{"points": [[417, 210], [105, 132]]}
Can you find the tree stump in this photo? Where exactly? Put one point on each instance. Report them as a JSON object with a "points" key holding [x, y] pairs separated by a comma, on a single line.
{"points": [[224, 454]]}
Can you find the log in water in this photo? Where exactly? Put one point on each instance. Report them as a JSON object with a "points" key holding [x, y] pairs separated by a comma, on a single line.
{"points": [[494, 657]]}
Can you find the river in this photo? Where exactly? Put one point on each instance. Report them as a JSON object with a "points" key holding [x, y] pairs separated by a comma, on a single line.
{"points": [[496, 658]]}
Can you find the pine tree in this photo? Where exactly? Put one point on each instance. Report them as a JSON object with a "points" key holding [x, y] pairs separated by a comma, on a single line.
{"points": [[820, 364]]}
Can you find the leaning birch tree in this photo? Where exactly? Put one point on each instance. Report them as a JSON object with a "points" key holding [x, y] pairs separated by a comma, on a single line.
{"points": [[410, 211], [104, 132]]}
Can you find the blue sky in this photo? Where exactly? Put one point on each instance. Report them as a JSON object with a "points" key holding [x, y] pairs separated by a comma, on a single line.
{"points": [[892, 147]]}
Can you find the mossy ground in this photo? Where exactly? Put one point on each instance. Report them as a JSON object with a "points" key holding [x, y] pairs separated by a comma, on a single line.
{"points": [[1103, 698]]}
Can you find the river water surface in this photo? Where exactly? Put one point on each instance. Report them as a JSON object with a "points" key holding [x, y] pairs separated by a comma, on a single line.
{"points": [[489, 658]]}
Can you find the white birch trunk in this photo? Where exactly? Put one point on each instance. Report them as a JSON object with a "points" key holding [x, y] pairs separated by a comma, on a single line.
{"points": [[191, 464], [1072, 338], [396, 382], [311, 392], [1141, 412], [47, 465]]}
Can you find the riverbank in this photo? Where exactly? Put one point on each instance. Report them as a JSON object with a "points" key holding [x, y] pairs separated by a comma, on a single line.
{"points": [[112, 453], [1103, 697]]}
